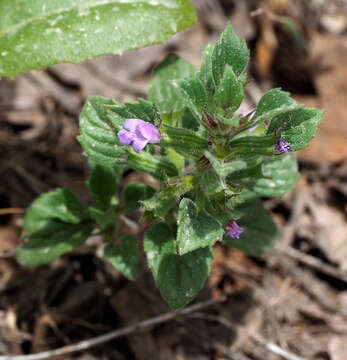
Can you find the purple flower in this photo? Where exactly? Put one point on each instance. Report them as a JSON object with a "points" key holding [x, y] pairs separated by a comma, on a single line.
{"points": [[282, 146], [233, 230], [138, 132]]}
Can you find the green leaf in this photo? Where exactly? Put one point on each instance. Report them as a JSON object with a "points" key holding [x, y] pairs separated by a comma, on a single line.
{"points": [[35, 33], [194, 93], [196, 228], [103, 218], [57, 223], [140, 109], [223, 169], [245, 177], [99, 127], [159, 205], [229, 50], [275, 176], [298, 127], [255, 144], [176, 158], [229, 93], [59, 204], [184, 141], [179, 278], [260, 233], [157, 166], [124, 256], [163, 93], [53, 239], [221, 213], [211, 183], [206, 73], [103, 184], [279, 175], [273, 103], [134, 193]]}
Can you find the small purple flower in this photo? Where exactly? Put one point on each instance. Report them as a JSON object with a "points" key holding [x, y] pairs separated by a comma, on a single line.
{"points": [[233, 230], [138, 132], [282, 146]]}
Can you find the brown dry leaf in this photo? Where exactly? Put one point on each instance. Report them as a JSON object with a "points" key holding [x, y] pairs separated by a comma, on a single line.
{"points": [[9, 241], [335, 23], [33, 119], [331, 234], [329, 55], [264, 54], [338, 348]]}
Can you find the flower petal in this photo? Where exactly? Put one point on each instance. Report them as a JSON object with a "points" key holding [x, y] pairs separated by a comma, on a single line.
{"points": [[234, 230], [125, 137], [139, 144], [131, 124], [282, 146], [149, 132]]}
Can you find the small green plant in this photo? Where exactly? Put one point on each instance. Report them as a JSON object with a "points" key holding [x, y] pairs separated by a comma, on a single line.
{"points": [[212, 164]]}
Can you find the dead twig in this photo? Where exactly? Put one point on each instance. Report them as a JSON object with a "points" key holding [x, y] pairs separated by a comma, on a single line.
{"points": [[276, 349], [143, 325], [272, 16], [314, 263], [11, 211], [288, 233], [258, 338], [114, 82]]}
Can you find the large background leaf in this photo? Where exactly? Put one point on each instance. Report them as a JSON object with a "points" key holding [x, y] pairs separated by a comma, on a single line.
{"points": [[37, 33]]}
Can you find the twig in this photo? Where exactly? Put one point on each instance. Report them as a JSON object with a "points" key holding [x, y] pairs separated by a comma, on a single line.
{"points": [[9, 211], [288, 233], [269, 345], [276, 349], [143, 325], [69, 101], [272, 16], [314, 263], [132, 226], [113, 81]]}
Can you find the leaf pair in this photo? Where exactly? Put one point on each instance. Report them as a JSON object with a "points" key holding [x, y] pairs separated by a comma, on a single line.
{"points": [[288, 119], [179, 278], [57, 223]]}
